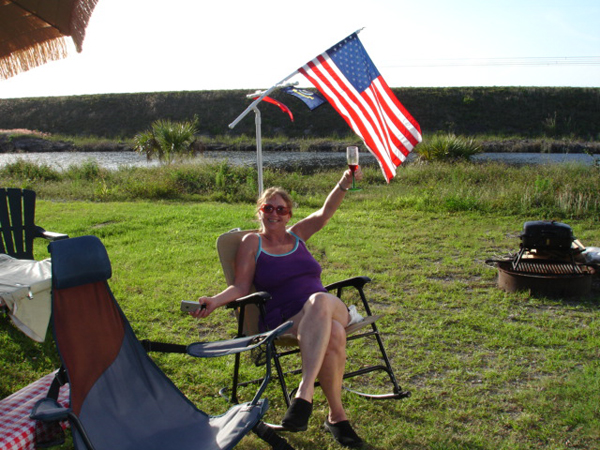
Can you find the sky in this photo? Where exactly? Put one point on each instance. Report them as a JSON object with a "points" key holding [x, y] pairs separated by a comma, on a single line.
{"points": [[190, 45]]}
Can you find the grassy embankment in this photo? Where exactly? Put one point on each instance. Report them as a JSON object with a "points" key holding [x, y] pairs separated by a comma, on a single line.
{"points": [[558, 113], [487, 369]]}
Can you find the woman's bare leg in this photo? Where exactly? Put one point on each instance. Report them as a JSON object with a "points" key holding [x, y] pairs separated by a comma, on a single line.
{"points": [[332, 372], [320, 330]]}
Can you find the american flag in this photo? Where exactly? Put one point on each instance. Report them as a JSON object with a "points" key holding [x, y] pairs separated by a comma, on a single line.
{"points": [[349, 80]]}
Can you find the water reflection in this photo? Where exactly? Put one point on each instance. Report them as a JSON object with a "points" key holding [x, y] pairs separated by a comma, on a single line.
{"points": [[538, 158], [114, 160]]}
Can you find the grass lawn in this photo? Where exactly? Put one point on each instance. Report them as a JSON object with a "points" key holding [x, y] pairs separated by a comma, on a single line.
{"points": [[487, 369]]}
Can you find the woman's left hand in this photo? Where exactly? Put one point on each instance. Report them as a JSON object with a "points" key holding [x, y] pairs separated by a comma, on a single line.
{"points": [[346, 180]]}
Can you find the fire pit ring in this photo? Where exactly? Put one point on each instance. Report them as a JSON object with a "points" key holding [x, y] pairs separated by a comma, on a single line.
{"points": [[552, 279]]}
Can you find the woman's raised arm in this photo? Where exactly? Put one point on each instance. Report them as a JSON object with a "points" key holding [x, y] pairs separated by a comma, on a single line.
{"points": [[317, 220]]}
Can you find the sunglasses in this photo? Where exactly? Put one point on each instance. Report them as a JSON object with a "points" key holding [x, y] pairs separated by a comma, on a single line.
{"points": [[280, 210]]}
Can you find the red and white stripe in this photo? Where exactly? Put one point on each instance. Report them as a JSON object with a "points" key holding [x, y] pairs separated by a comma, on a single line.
{"points": [[375, 115]]}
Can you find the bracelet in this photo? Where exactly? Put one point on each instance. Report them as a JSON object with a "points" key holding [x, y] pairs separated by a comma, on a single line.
{"points": [[342, 188]]}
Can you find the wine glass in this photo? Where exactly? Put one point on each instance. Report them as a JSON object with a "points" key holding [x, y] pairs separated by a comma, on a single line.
{"points": [[352, 157]]}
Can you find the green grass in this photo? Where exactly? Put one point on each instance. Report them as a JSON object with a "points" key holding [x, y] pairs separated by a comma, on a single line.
{"points": [[487, 369]]}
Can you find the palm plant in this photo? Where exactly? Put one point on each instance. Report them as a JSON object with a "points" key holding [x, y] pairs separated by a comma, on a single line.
{"points": [[447, 147], [168, 140]]}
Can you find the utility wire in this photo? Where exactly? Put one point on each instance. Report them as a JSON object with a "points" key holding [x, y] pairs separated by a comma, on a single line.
{"points": [[521, 61]]}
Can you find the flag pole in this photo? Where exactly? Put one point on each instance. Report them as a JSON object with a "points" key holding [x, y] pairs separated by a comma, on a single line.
{"points": [[259, 161], [259, 99], [258, 125]]}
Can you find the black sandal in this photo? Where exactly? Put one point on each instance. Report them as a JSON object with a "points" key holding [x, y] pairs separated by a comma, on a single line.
{"points": [[297, 415], [344, 434]]}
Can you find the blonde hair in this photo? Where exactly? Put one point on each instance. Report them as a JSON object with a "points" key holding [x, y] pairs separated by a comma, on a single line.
{"points": [[273, 192]]}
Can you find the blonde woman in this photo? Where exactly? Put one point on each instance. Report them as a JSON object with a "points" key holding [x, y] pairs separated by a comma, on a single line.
{"points": [[276, 260]]}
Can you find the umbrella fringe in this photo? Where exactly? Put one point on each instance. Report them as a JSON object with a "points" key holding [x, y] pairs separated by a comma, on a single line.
{"points": [[49, 42], [41, 53], [79, 21]]}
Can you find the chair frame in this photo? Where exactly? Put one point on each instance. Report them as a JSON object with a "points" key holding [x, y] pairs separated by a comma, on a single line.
{"points": [[17, 223], [249, 307]]}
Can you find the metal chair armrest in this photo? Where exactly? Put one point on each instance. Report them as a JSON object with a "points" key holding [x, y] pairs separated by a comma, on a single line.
{"points": [[356, 282], [49, 235], [256, 298]]}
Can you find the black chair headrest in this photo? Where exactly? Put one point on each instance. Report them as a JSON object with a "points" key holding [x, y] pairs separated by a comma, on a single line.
{"points": [[78, 261]]}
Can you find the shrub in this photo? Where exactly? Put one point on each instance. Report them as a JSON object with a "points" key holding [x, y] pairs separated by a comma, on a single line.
{"points": [[31, 171], [167, 140], [448, 147]]}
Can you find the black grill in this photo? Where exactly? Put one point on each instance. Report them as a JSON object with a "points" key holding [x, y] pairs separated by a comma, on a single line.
{"points": [[546, 262], [546, 235]]}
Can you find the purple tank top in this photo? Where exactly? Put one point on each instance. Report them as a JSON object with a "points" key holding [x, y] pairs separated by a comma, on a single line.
{"points": [[290, 278]]}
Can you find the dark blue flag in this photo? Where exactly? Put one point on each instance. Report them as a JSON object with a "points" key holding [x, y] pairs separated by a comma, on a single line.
{"points": [[312, 99]]}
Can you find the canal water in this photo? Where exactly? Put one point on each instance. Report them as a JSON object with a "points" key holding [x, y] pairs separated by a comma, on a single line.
{"points": [[114, 160]]}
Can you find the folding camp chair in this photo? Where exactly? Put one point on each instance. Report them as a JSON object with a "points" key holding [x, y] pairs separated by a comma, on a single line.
{"points": [[17, 223], [120, 399], [250, 309]]}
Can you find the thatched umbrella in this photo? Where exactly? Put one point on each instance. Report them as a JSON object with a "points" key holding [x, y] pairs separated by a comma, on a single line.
{"points": [[33, 32]]}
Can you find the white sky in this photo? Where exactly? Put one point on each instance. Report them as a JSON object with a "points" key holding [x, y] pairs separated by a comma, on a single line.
{"points": [[176, 45]]}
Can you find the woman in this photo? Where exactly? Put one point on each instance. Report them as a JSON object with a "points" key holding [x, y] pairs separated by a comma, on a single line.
{"points": [[276, 260]]}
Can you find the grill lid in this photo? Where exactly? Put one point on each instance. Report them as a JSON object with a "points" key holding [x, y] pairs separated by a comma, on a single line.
{"points": [[551, 235]]}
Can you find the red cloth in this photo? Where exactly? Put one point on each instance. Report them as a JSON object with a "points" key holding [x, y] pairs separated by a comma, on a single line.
{"points": [[284, 108], [17, 430]]}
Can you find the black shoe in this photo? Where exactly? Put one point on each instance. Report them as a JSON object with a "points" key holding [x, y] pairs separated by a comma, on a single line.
{"points": [[344, 434], [297, 415]]}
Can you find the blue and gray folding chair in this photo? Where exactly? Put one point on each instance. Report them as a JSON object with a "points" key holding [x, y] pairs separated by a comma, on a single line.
{"points": [[119, 398]]}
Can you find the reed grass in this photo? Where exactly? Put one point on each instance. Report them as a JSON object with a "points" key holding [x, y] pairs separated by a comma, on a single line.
{"points": [[555, 191]]}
